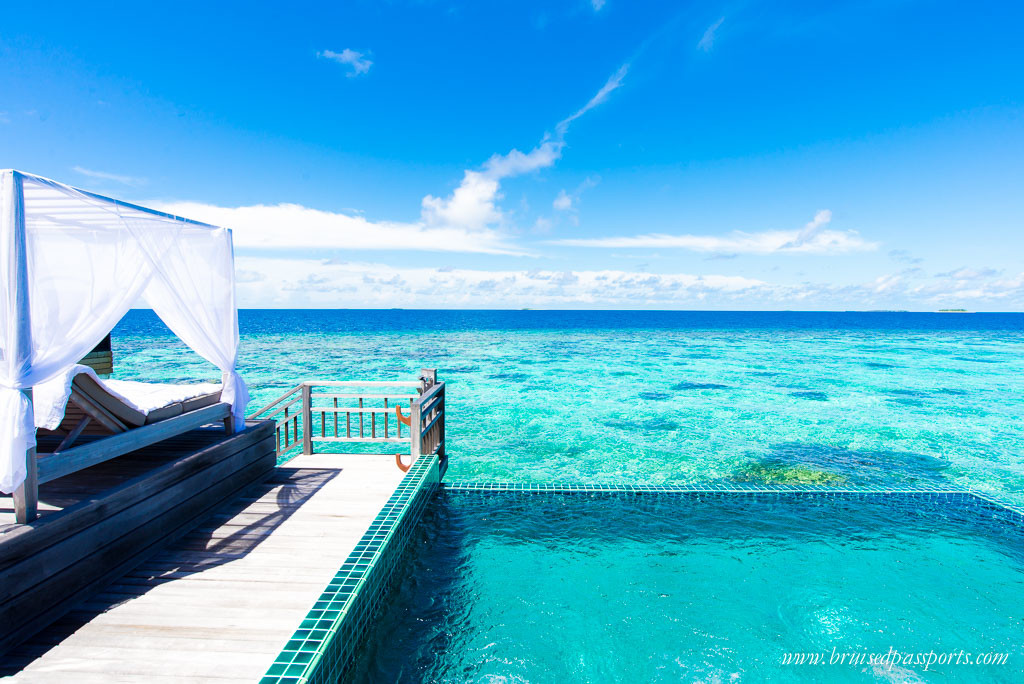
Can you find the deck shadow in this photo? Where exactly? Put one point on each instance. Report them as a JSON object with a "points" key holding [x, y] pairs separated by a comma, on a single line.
{"points": [[297, 485], [201, 549]]}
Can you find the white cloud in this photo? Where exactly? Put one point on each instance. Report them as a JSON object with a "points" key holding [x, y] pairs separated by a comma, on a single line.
{"points": [[102, 175], [471, 205], [311, 283], [597, 4], [811, 239], [291, 226], [708, 39], [516, 163], [354, 59], [563, 202], [305, 282]]}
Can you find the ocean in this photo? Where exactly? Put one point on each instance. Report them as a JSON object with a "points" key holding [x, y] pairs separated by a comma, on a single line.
{"points": [[886, 398]]}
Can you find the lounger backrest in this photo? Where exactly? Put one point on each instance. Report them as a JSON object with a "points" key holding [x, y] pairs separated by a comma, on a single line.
{"points": [[97, 393]]}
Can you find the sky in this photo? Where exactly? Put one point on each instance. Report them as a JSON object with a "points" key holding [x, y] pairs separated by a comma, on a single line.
{"points": [[577, 154]]}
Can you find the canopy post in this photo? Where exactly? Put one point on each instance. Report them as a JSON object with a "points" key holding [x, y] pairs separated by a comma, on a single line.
{"points": [[26, 496]]}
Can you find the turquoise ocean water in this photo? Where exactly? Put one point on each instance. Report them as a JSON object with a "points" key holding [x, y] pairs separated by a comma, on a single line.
{"points": [[663, 397], [604, 588]]}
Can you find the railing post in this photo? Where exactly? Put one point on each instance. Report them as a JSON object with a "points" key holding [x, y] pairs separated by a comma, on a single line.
{"points": [[415, 431], [440, 426], [307, 419], [428, 376]]}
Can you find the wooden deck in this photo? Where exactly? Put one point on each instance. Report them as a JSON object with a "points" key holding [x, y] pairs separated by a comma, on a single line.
{"points": [[221, 602]]}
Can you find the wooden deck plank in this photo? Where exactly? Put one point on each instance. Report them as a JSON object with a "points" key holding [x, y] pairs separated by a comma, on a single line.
{"points": [[116, 521], [220, 603]]}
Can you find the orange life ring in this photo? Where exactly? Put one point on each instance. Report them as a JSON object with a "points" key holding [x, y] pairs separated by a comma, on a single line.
{"points": [[402, 419]]}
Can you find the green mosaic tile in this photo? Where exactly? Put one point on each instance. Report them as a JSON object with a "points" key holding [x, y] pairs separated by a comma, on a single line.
{"points": [[324, 644]]}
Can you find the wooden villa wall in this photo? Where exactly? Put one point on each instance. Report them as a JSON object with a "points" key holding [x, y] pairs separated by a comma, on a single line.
{"points": [[100, 359]]}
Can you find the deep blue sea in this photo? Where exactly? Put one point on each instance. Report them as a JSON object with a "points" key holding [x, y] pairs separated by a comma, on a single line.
{"points": [[661, 397]]}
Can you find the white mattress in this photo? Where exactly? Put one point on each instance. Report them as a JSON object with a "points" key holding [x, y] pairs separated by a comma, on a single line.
{"points": [[51, 398]]}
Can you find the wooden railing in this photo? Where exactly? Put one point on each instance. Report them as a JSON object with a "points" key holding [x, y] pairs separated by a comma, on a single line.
{"points": [[351, 411]]}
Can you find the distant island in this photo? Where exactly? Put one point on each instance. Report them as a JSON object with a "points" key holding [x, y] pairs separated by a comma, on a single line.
{"points": [[952, 311]]}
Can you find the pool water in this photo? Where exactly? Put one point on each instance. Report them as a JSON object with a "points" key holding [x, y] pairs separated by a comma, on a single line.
{"points": [[530, 587]]}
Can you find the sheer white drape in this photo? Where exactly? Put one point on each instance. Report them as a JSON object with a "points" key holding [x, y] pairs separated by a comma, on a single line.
{"points": [[82, 261], [197, 265]]}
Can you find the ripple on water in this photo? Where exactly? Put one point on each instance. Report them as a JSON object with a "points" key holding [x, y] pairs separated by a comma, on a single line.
{"points": [[655, 396], [685, 386], [810, 395]]}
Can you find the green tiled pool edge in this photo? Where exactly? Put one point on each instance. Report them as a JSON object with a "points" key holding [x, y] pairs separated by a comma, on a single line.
{"points": [[975, 498], [323, 646]]}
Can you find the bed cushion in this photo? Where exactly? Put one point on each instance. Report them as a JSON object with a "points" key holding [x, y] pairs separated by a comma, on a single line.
{"points": [[97, 392], [178, 408], [133, 403]]}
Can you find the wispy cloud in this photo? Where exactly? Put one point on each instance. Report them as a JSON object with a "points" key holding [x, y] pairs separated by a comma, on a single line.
{"points": [[967, 274], [358, 63], [614, 82], [292, 226], [707, 41], [4, 119], [103, 175], [904, 256], [474, 203], [597, 4], [813, 238]]}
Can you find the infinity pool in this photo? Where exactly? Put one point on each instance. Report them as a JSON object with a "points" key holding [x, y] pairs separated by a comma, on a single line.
{"points": [[529, 587]]}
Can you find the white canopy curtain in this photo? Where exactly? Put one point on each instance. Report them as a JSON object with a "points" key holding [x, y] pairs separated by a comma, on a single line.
{"points": [[72, 263]]}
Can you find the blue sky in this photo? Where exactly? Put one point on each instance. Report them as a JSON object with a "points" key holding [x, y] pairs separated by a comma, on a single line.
{"points": [[738, 155]]}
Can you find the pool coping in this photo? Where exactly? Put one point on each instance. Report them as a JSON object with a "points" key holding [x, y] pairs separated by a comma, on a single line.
{"points": [[986, 500], [325, 644]]}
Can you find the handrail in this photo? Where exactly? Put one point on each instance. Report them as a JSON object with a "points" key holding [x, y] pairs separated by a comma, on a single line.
{"points": [[277, 401], [319, 395], [285, 407], [434, 389], [360, 383], [359, 417]]}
